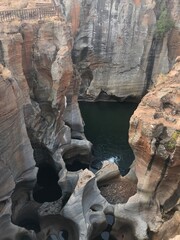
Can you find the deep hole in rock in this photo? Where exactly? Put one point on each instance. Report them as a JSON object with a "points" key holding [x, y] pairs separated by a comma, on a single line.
{"points": [[125, 231], [46, 188], [63, 235], [22, 236], [30, 224], [76, 165], [105, 235]]}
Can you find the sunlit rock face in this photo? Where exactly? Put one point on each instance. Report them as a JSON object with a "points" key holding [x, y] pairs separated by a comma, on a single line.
{"points": [[155, 139], [115, 49], [39, 88], [39, 57], [34, 95]]}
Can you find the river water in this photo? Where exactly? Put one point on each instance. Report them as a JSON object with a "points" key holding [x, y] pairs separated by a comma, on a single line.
{"points": [[106, 126]]}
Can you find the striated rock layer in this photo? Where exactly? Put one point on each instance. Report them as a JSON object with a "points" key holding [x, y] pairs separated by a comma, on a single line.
{"points": [[155, 139], [36, 74], [16, 160], [38, 102], [116, 48]]}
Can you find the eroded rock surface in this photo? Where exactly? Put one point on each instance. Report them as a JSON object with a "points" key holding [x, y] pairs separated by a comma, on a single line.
{"points": [[16, 162], [155, 138], [116, 49], [33, 97], [38, 90]]}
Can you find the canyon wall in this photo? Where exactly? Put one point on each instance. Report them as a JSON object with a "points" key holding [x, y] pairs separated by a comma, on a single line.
{"points": [[116, 49], [39, 89], [108, 47], [154, 136]]}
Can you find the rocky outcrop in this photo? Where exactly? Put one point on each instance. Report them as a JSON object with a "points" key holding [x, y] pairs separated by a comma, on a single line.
{"points": [[16, 162], [38, 93], [155, 139], [39, 57], [35, 91], [116, 50]]}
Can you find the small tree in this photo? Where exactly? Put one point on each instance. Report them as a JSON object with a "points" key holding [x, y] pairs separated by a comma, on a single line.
{"points": [[163, 24]]}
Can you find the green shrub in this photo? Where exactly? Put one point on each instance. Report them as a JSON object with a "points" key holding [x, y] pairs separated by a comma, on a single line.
{"points": [[163, 24], [171, 144]]}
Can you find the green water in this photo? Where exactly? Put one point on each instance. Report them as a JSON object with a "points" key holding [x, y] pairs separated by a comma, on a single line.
{"points": [[106, 126]]}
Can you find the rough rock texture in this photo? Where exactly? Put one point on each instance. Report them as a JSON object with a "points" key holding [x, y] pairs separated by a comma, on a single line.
{"points": [[39, 57], [115, 49], [170, 229], [16, 160], [33, 96], [155, 139], [38, 91]]}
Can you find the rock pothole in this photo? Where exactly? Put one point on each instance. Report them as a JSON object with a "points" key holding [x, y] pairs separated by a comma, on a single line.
{"points": [[46, 188]]}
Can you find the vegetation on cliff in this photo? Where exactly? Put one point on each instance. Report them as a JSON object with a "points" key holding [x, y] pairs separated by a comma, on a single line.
{"points": [[163, 24]]}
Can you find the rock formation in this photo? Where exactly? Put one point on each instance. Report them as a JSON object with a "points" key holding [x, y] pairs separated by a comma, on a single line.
{"points": [[36, 87], [155, 139], [17, 164], [114, 54], [116, 49]]}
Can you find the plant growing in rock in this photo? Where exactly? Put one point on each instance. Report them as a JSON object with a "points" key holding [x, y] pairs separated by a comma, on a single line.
{"points": [[163, 24], [171, 144]]}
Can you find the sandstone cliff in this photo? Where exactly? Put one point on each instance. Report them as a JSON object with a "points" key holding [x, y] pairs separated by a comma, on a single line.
{"points": [[39, 93], [116, 50], [155, 139], [17, 164], [115, 55]]}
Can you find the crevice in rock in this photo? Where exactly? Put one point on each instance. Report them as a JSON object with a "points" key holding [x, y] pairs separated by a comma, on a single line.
{"points": [[155, 49], [150, 64], [106, 234], [165, 167], [87, 77], [63, 7], [109, 28], [46, 188], [30, 224], [161, 133], [1, 54], [157, 143], [172, 201], [83, 54]]}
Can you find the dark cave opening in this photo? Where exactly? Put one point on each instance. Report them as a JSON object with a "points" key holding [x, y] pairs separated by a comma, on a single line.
{"points": [[30, 224], [63, 235], [22, 236], [76, 165], [46, 188], [105, 235]]}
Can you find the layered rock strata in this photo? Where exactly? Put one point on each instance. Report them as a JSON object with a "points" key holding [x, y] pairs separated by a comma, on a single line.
{"points": [[116, 49], [39, 87], [155, 139], [36, 72], [16, 162]]}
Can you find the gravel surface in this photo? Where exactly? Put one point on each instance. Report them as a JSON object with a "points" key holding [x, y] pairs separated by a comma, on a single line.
{"points": [[118, 191]]}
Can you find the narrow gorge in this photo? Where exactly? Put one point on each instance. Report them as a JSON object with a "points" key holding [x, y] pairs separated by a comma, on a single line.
{"points": [[60, 59]]}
